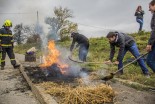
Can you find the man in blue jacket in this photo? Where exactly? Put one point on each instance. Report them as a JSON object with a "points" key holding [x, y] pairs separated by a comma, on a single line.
{"points": [[125, 43]]}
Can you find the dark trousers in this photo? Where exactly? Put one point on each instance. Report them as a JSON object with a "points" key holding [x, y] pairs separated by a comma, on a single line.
{"points": [[83, 51], [135, 52], [11, 55], [151, 59]]}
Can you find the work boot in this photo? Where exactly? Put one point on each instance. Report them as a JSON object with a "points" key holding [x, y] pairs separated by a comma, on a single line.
{"points": [[16, 66], [120, 73], [2, 67], [147, 75]]}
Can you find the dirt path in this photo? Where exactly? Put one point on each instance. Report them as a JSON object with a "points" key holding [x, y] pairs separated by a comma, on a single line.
{"points": [[13, 89], [127, 95]]}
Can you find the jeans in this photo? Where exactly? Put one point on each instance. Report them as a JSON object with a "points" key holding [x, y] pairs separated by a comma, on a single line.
{"points": [[151, 59], [83, 51], [140, 21], [134, 50]]}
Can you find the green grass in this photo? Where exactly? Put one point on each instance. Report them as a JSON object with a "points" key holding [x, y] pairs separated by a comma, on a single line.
{"points": [[99, 52], [21, 49]]}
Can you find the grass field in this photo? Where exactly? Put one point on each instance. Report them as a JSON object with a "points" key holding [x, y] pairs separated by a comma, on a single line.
{"points": [[99, 52]]}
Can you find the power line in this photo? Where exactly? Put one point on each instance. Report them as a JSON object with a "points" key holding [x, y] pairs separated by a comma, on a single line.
{"points": [[103, 28], [17, 13], [97, 27]]}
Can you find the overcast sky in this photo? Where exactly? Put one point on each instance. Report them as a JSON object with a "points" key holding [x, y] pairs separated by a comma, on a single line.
{"points": [[94, 17]]}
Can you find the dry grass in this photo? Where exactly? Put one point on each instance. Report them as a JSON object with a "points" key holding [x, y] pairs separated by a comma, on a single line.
{"points": [[81, 94]]}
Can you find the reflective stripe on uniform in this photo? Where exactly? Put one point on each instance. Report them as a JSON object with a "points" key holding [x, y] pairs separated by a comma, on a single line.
{"points": [[12, 59], [12, 41], [6, 45], [2, 60], [6, 35]]}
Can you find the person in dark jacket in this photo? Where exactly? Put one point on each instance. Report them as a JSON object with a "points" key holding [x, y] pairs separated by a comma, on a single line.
{"points": [[151, 43], [125, 43], [82, 43], [6, 44], [139, 17]]}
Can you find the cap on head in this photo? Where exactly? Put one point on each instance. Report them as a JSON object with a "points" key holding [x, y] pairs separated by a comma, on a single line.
{"points": [[7, 23]]}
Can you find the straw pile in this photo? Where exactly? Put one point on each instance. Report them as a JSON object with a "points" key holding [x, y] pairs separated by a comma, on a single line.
{"points": [[69, 94]]}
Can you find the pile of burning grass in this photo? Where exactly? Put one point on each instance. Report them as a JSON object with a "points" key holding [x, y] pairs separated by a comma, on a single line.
{"points": [[81, 94]]}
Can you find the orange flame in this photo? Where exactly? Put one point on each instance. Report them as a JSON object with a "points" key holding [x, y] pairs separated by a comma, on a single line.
{"points": [[53, 57]]}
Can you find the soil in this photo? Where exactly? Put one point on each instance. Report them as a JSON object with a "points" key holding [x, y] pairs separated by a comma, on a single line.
{"points": [[14, 90], [127, 95], [124, 94]]}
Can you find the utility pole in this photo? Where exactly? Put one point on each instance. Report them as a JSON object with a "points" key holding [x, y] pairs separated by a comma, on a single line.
{"points": [[37, 23], [37, 17]]}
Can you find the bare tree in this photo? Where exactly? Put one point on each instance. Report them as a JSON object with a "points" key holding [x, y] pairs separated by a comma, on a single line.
{"points": [[59, 22], [34, 32], [19, 35], [26, 32]]}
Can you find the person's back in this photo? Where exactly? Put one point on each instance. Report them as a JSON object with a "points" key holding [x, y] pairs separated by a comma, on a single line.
{"points": [[83, 44], [80, 39], [6, 37]]}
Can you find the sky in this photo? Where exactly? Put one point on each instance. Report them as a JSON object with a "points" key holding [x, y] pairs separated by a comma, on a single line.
{"points": [[95, 18]]}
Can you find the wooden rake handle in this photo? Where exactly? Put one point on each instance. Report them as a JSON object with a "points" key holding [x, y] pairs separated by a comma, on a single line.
{"points": [[131, 62]]}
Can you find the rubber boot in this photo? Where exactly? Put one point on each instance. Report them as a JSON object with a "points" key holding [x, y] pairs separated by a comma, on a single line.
{"points": [[2, 67], [16, 66]]}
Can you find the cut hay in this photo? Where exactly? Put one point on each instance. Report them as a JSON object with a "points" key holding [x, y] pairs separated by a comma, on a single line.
{"points": [[69, 94]]}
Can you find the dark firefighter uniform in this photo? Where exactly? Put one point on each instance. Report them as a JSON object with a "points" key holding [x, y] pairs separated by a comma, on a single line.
{"points": [[6, 44], [82, 43]]}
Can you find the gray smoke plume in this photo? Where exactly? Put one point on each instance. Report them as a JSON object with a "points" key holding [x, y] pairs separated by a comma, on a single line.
{"points": [[74, 68]]}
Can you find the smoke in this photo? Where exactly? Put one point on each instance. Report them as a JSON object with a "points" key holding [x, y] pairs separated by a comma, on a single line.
{"points": [[74, 69], [39, 30]]}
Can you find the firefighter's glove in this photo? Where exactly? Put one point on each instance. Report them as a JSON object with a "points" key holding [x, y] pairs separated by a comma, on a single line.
{"points": [[12, 45]]}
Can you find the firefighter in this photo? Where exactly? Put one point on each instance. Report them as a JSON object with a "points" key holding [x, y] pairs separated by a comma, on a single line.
{"points": [[6, 44], [82, 43]]}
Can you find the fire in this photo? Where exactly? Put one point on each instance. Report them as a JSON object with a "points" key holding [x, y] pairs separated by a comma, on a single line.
{"points": [[53, 57]]}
